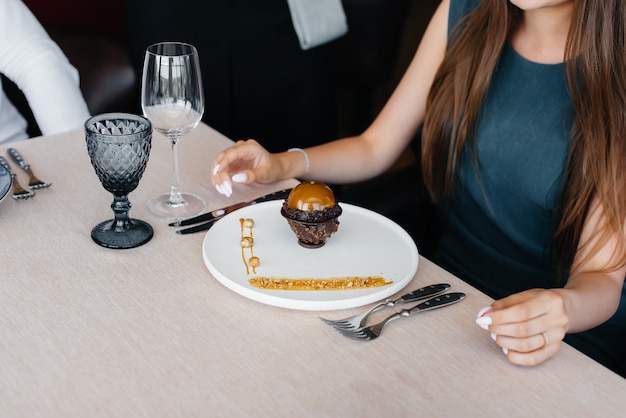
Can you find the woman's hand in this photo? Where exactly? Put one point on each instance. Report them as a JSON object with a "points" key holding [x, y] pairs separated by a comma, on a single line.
{"points": [[529, 326], [245, 162]]}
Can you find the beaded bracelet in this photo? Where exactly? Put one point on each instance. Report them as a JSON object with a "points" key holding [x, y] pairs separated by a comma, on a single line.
{"points": [[306, 157]]}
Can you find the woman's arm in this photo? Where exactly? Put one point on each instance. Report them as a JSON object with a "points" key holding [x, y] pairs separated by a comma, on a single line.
{"points": [[355, 158], [592, 294], [530, 325], [40, 69]]}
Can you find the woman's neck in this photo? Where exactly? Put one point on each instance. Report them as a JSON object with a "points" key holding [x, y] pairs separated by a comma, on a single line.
{"points": [[542, 34]]}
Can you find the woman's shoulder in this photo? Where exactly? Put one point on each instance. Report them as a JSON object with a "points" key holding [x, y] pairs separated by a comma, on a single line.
{"points": [[464, 5], [458, 9]]}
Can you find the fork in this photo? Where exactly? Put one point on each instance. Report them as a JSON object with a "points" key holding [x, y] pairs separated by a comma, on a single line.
{"points": [[374, 331], [359, 321], [18, 191], [34, 182]]}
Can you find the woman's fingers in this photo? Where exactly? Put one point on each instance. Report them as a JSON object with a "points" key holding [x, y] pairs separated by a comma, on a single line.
{"points": [[241, 163], [532, 350], [530, 343], [526, 313], [528, 326], [241, 153]]}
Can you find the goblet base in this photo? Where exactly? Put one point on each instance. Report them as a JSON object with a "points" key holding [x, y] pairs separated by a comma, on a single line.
{"points": [[161, 206], [139, 233]]}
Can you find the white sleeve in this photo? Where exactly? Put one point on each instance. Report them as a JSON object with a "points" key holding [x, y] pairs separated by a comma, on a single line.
{"points": [[36, 64]]}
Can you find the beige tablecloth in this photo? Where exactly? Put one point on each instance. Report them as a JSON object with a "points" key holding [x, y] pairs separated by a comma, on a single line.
{"points": [[87, 331]]}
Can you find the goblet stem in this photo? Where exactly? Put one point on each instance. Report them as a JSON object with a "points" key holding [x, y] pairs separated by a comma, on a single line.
{"points": [[176, 198], [122, 232], [121, 206]]}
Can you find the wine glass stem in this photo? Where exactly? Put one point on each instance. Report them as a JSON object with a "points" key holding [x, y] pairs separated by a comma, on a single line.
{"points": [[176, 198], [121, 205]]}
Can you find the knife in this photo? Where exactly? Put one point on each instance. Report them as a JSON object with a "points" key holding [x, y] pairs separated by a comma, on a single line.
{"points": [[421, 293], [206, 220], [434, 303]]}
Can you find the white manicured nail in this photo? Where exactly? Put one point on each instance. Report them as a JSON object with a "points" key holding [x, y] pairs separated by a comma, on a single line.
{"points": [[484, 322], [240, 178], [219, 189], [216, 169], [505, 350], [493, 336], [228, 189]]}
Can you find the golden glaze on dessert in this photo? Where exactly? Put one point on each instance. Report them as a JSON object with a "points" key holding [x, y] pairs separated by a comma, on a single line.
{"points": [[337, 283], [312, 211], [310, 196]]}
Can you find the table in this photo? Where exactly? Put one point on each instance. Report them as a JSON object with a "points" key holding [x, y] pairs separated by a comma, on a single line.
{"points": [[87, 331]]}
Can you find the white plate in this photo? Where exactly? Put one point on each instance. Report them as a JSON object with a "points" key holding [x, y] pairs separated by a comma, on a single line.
{"points": [[366, 244], [5, 183]]}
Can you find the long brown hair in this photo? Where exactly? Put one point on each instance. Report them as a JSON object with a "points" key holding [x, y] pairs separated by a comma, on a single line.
{"points": [[595, 70]]}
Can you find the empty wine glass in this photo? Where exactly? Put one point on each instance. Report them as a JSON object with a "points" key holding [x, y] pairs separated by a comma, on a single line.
{"points": [[173, 99], [119, 145]]}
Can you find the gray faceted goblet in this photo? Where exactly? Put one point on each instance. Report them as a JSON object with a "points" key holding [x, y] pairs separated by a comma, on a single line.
{"points": [[119, 145]]}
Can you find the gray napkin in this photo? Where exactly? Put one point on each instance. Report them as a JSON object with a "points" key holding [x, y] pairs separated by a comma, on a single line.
{"points": [[317, 21]]}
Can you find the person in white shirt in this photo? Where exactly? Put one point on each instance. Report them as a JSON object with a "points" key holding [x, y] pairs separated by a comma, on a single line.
{"points": [[36, 64]]}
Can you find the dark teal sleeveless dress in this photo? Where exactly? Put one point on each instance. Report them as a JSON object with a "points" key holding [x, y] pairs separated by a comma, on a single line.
{"points": [[497, 227]]}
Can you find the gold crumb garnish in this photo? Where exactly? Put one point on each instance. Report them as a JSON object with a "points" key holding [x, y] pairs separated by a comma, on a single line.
{"points": [[338, 283]]}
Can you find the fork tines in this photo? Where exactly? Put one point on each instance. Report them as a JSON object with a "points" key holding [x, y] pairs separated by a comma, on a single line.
{"points": [[360, 334], [19, 193], [35, 183]]}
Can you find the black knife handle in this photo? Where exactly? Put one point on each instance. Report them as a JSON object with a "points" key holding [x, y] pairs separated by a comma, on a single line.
{"points": [[219, 213], [431, 290], [435, 302], [17, 157], [210, 216], [197, 228]]}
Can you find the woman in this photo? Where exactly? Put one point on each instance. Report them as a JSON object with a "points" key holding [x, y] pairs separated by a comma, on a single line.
{"points": [[36, 64], [522, 149]]}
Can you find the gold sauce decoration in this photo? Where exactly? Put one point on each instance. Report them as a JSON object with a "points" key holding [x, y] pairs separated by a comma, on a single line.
{"points": [[247, 242], [334, 283]]}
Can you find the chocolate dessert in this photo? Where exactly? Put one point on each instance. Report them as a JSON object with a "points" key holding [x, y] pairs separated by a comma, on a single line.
{"points": [[312, 212]]}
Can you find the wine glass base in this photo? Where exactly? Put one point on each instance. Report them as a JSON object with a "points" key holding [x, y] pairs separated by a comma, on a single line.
{"points": [[161, 207], [139, 233]]}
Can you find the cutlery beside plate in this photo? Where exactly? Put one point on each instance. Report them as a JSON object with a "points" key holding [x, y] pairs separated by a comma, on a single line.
{"points": [[19, 193], [33, 182], [372, 332], [205, 221]]}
